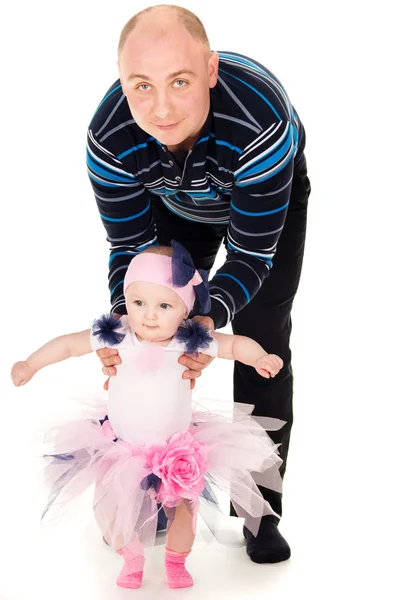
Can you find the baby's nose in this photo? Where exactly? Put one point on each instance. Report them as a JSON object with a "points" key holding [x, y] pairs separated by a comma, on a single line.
{"points": [[150, 313]]}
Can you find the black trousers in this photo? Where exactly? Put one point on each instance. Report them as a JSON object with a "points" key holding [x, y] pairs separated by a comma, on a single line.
{"points": [[267, 318]]}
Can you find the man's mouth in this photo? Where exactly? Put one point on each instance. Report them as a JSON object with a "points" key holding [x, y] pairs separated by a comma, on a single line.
{"points": [[167, 127]]}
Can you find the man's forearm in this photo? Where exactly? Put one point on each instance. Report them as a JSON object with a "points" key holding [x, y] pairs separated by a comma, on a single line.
{"points": [[125, 210], [259, 205], [234, 285]]}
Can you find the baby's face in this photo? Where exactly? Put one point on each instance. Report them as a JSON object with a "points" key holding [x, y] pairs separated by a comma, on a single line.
{"points": [[154, 311]]}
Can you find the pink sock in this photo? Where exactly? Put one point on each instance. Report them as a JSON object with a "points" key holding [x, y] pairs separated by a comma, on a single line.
{"points": [[176, 573], [133, 570]]}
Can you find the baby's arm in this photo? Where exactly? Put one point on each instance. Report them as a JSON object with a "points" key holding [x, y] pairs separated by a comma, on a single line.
{"points": [[248, 352], [60, 348]]}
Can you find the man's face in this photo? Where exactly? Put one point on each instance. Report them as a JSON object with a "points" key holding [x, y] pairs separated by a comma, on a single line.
{"points": [[166, 78]]}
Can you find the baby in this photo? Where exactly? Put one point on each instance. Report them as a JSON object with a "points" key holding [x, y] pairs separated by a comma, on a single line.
{"points": [[149, 447]]}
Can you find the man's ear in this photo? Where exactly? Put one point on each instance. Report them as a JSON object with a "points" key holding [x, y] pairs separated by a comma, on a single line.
{"points": [[120, 76], [213, 68]]}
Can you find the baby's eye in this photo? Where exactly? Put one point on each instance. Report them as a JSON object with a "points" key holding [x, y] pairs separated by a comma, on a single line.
{"points": [[165, 305], [138, 302]]}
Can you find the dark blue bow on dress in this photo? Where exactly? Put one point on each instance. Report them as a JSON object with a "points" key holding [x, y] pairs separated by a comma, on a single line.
{"points": [[183, 270]]}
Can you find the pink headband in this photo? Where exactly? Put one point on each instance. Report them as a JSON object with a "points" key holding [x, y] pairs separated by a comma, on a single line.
{"points": [[156, 268]]}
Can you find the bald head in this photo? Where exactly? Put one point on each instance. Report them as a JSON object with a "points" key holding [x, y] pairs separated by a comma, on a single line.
{"points": [[166, 71], [160, 18]]}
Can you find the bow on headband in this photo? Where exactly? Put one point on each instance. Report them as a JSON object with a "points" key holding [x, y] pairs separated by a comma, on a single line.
{"points": [[184, 272]]}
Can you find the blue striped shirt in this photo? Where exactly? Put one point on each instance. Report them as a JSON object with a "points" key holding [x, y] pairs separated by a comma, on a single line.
{"points": [[238, 173]]}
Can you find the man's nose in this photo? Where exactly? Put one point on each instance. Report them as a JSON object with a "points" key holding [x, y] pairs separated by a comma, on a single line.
{"points": [[162, 105]]}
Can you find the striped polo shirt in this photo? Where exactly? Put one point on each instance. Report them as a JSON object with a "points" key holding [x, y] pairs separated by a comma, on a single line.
{"points": [[238, 173]]}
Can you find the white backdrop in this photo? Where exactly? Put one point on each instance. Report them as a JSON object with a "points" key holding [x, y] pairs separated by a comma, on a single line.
{"points": [[337, 61]]}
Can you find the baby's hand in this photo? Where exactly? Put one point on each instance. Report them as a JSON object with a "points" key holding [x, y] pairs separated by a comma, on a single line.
{"points": [[21, 373], [268, 365]]}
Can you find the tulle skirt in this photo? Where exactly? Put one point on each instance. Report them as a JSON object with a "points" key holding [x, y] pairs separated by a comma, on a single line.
{"points": [[217, 454]]}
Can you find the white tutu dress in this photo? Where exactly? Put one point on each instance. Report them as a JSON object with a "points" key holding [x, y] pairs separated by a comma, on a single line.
{"points": [[147, 447]]}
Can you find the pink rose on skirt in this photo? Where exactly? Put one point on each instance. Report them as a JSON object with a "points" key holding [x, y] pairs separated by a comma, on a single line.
{"points": [[181, 466]]}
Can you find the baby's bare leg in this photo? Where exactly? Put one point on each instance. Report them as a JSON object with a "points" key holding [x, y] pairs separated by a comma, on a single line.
{"points": [[180, 538], [181, 534]]}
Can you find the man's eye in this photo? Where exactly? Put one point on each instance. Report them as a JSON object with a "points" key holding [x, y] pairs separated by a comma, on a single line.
{"points": [[180, 83], [142, 86], [164, 305]]}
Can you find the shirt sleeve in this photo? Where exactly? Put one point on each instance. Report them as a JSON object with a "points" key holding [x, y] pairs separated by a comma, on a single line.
{"points": [[259, 203], [125, 210]]}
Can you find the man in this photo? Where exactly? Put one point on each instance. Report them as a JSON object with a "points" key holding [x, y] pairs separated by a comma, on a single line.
{"points": [[204, 147]]}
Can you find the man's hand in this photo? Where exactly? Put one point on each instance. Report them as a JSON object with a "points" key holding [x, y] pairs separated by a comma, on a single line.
{"points": [[195, 363], [268, 365], [205, 321], [109, 358]]}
